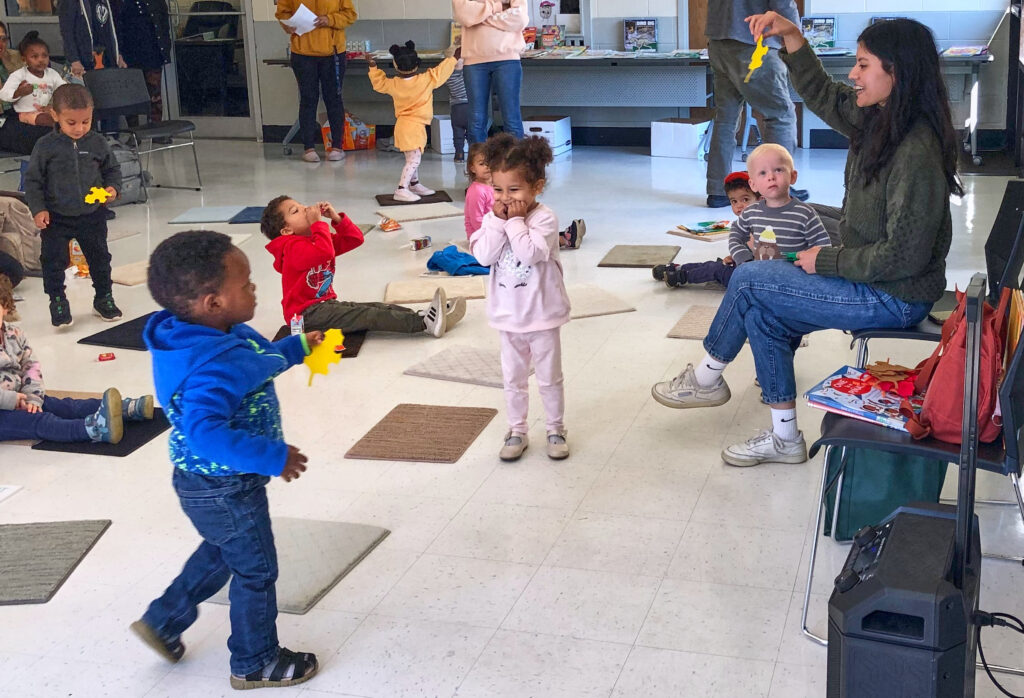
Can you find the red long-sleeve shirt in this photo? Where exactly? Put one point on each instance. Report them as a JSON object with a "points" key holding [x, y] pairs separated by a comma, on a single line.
{"points": [[306, 263]]}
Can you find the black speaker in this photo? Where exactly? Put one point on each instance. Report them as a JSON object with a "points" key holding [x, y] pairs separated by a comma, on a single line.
{"points": [[897, 623]]}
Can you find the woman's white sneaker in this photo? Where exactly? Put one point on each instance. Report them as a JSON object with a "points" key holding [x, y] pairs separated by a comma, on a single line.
{"points": [[766, 447], [683, 391]]}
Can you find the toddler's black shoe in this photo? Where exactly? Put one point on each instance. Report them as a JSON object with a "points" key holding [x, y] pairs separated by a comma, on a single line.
{"points": [[105, 307], [658, 272], [675, 276], [60, 311]]}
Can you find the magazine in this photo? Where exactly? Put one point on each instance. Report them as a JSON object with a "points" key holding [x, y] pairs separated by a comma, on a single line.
{"points": [[640, 34], [853, 393], [820, 32], [965, 51]]}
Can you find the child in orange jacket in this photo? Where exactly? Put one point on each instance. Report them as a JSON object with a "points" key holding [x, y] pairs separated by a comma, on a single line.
{"points": [[413, 94]]}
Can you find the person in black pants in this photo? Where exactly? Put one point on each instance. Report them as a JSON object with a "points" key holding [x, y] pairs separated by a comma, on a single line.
{"points": [[144, 34], [318, 61]]}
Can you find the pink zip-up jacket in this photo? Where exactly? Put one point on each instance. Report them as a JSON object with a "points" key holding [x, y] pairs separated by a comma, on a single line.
{"points": [[479, 200], [490, 33], [525, 292]]}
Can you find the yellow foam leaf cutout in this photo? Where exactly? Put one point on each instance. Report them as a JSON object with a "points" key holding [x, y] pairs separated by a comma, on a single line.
{"points": [[756, 58], [97, 196], [324, 354]]}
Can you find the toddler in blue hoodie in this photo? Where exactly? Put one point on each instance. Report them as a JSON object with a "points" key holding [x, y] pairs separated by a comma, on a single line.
{"points": [[214, 377]]}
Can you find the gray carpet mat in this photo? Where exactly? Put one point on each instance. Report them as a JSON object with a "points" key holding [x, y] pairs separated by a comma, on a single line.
{"points": [[37, 558]]}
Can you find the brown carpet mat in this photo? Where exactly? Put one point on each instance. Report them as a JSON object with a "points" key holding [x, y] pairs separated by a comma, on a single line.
{"points": [[695, 322], [424, 433], [421, 290], [646, 256], [435, 198], [353, 341]]}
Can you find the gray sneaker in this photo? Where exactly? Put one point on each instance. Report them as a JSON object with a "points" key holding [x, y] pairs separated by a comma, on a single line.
{"points": [[515, 444], [683, 391], [455, 311], [766, 447]]}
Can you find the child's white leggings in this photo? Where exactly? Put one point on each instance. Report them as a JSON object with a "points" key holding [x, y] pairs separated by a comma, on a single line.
{"points": [[411, 171], [544, 347]]}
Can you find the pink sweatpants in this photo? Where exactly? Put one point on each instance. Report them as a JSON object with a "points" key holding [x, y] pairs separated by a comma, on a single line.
{"points": [[545, 349]]}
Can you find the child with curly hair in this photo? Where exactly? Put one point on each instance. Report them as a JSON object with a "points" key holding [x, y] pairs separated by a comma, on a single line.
{"points": [[526, 299]]}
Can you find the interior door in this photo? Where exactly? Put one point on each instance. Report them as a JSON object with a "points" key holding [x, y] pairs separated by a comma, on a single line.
{"points": [[211, 77]]}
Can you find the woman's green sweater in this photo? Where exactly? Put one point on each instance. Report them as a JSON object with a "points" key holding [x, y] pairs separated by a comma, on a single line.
{"points": [[895, 230]]}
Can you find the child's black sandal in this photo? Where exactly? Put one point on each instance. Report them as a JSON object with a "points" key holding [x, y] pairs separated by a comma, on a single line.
{"points": [[305, 668], [171, 650]]}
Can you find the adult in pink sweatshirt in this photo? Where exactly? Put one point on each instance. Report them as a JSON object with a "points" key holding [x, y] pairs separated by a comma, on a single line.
{"points": [[492, 39]]}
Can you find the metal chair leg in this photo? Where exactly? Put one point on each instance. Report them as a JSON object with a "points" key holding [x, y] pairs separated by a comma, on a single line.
{"points": [[814, 553], [862, 353], [195, 159]]}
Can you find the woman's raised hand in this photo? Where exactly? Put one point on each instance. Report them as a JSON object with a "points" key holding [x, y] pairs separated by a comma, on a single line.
{"points": [[771, 24]]}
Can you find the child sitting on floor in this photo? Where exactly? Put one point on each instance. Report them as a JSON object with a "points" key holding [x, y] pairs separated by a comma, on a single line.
{"points": [[31, 87], [27, 412], [215, 375], [526, 298], [413, 94], [793, 225], [737, 189], [304, 250]]}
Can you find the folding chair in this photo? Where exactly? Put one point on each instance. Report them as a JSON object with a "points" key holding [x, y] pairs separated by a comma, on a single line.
{"points": [[123, 92], [1005, 458]]}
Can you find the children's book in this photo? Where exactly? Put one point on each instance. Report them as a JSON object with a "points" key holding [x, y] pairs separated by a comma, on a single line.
{"points": [[551, 35], [854, 393], [640, 34], [455, 34], [706, 230], [965, 51], [530, 37], [820, 32]]}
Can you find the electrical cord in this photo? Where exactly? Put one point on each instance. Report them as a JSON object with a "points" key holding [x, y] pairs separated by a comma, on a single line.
{"points": [[985, 619]]}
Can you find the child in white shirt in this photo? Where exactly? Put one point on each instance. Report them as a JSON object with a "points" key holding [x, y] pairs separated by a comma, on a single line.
{"points": [[31, 87]]}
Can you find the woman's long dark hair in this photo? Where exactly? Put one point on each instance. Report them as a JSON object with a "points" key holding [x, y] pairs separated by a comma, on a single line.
{"points": [[907, 51]]}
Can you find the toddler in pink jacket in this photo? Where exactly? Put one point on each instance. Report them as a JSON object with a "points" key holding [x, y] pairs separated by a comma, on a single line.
{"points": [[526, 301]]}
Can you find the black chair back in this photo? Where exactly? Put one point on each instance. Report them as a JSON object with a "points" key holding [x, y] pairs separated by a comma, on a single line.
{"points": [[117, 92], [223, 26], [1004, 239]]}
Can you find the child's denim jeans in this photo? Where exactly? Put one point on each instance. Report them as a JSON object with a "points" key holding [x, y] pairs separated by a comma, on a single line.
{"points": [[231, 514], [774, 303], [61, 420]]}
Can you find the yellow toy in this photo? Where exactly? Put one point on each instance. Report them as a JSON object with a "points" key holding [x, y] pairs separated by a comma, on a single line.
{"points": [[326, 353], [97, 196], [755, 59]]}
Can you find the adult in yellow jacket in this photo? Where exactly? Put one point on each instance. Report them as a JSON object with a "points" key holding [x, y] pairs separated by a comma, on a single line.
{"points": [[318, 61], [413, 95]]}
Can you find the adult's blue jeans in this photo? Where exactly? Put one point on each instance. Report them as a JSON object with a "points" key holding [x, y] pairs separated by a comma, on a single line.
{"points": [[505, 78], [231, 514], [61, 420], [774, 304]]}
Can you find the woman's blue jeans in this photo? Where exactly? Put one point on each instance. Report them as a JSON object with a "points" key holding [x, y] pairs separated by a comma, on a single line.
{"points": [[505, 77], [231, 514], [774, 304]]}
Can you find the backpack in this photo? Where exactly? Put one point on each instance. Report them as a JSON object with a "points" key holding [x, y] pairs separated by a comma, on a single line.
{"points": [[133, 177], [941, 376], [19, 236]]}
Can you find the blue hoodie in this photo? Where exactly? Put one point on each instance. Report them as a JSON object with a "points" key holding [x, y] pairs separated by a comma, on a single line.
{"points": [[218, 391]]}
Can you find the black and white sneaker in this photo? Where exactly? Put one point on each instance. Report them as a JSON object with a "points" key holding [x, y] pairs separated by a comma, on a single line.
{"points": [[574, 234], [60, 312], [105, 307], [435, 318], [659, 271]]}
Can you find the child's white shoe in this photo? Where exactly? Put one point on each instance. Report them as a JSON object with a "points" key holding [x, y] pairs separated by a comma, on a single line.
{"points": [[558, 449], [435, 319], [335, 154], [418, 188], [403, 194], [456, 310], [310, 156], [515, 444]]}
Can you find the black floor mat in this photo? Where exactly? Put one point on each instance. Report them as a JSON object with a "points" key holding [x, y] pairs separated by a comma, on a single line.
{"points": [[353, 341], [435, 198], [127, 335], [136, 434]]}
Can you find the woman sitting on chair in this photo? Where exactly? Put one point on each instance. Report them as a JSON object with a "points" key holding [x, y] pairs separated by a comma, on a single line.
{"points": [[889, 266]]}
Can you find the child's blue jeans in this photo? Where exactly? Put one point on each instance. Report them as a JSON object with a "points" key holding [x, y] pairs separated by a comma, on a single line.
{"points": [[704, 272], [231, 514], [61, 420], [774, 303]]}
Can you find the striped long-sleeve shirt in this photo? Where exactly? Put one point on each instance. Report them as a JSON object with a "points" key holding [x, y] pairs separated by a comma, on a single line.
{"points": [[796, 225], [457, 86]]}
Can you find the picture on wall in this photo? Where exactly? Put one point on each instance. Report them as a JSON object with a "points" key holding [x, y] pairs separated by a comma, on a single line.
{"points": [[640, 34], [565, 13], [820, 32]]}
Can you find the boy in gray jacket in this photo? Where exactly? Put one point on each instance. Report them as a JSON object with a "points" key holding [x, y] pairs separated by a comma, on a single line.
{"points": [[65, 166]]}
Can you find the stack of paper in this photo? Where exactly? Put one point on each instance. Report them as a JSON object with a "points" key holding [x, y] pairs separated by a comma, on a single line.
{"points": [[303, 21]]}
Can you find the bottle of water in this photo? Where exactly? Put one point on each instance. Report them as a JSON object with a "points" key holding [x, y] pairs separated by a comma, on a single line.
{"points": [[296, 324]]}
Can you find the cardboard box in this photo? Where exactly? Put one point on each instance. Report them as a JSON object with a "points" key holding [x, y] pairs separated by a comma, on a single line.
{"points": [[556, 129], [441, 135], [677, 138]]}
